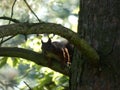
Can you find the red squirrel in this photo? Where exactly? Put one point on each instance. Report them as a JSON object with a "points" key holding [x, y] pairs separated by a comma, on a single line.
{"points": [[60, 51]]}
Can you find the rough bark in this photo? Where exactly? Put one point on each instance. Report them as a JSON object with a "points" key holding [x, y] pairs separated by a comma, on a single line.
{"points": [[99, 24]]}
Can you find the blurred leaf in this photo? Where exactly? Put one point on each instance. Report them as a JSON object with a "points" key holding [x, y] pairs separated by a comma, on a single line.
{"points": [[3, 61], [15, 61], [23, 68]]}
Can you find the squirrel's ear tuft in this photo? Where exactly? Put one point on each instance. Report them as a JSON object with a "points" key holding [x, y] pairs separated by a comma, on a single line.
{"points": [[49, 40], [42, 42]]}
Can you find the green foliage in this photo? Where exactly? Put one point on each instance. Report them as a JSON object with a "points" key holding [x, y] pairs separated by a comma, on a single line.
{"points": [[3, 61], [37, 77], [52, 81]]}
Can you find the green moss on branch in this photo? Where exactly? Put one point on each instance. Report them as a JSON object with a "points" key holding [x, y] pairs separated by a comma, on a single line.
{"points": [[40, 28]]}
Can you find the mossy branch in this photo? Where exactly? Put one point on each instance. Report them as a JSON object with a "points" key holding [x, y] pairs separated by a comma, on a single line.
{"points": [[40, 28]]}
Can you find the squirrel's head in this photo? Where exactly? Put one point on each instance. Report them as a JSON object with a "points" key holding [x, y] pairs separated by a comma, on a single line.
{"points": [[47, 46]]}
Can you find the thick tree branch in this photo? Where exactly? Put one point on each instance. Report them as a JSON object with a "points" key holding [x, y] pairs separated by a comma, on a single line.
{"points": [[38, 58], [40, 28]]}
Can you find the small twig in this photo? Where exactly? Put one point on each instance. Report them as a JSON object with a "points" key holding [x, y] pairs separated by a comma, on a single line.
{"points": [[2, 41], [12, 10], [32, 10], [10, 19], [27, 85]]}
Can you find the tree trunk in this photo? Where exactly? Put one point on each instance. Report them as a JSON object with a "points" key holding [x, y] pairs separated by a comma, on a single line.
{"points": [[99, 24]]}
